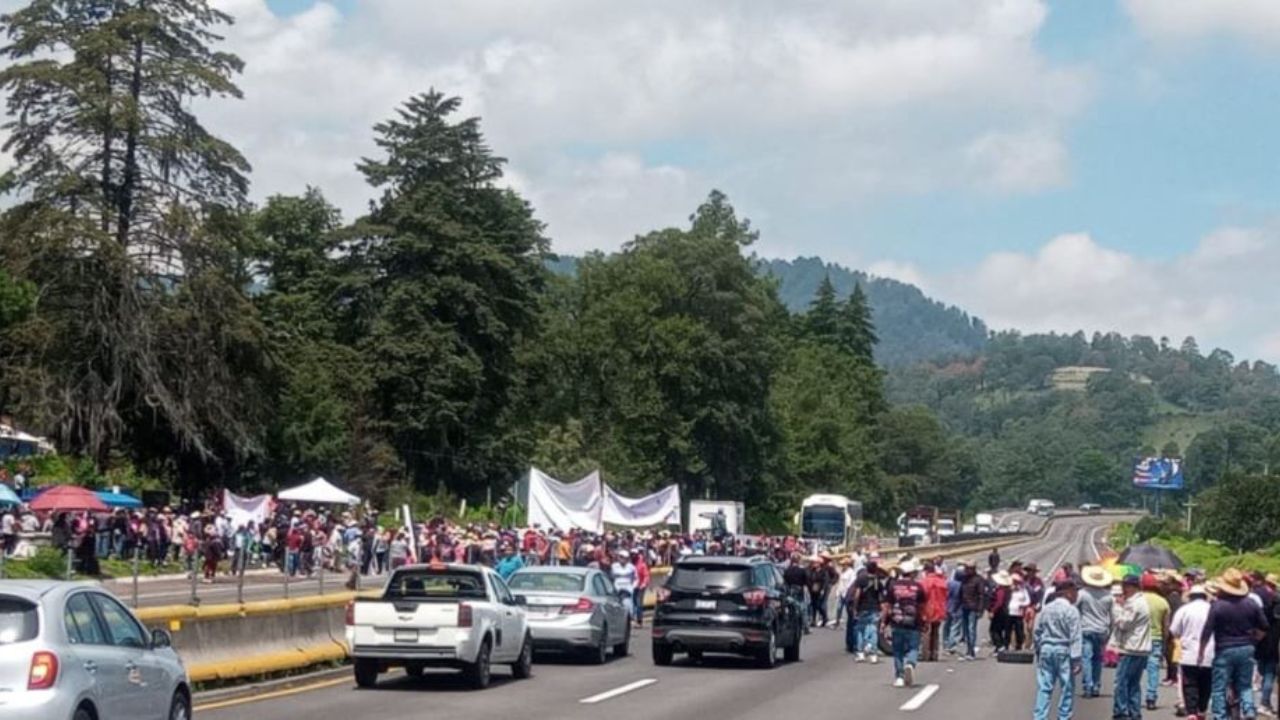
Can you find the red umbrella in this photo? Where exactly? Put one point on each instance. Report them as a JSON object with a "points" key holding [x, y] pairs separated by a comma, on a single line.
{"points": [[68, 498]]}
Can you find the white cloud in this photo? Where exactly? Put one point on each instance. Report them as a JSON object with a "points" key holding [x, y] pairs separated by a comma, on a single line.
{"points": [[618, 118], [1222, 292], [1257, 21], [901, 271]]}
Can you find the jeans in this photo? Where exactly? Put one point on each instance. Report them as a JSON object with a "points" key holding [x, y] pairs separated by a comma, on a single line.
{"points": [[291, 558], [1128, 694], [868, 632], [1233, 668], [1267, 669], [1054, 668], [1091, 671], [951, 634], [969, 621], [1153, 670], [818, 607], [906, 649], [637, 601]]}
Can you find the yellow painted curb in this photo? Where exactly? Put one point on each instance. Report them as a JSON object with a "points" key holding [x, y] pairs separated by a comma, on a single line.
{"points": [[192, 613], [267, 662]]}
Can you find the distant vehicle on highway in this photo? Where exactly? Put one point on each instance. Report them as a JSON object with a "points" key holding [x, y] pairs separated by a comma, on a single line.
{"points": [[969, 529], [727, 605], [1014, 526], [1090, 508], [1033, 507], [984, 522], [72, 651], [833, 520], [572, 609], [439, 615]]}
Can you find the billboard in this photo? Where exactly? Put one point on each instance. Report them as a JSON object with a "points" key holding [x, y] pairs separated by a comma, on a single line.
{"points": [[1158, 474]]}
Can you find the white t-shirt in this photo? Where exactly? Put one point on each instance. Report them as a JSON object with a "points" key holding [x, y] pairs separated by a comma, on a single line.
{"points": [[1187, 625], [1019, 599], [8, 524], [624, 576]]}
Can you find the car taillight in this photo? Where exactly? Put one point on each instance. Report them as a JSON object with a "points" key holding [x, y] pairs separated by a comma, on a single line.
{"points": [[44, 671], [583, 605], [351, 613], [464, 615], [755, 598], [662, 594]]}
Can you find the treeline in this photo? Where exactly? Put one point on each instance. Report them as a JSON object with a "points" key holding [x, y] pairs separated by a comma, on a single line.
{"points": [[154, 319]]}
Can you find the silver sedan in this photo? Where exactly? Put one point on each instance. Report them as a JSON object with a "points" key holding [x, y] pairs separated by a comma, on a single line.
{"points": [[71, 651], [573, 609]]}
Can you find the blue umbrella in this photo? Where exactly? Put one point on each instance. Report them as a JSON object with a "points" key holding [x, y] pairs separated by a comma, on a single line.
{"points": [[118, 500], [8, 496]]}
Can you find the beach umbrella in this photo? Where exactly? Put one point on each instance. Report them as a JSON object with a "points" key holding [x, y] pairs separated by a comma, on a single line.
{"points": [[8, 496], [1151, 557], [68, 498]]}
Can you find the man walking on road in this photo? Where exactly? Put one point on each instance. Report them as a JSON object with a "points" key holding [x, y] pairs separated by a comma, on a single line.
{"points": [[1159, 608], [972, 602], [1057, 640], [1197, 668], [1095, 605], [868, 594], [902, 608], [935, 610], [1235, 623], [1132, 626]]}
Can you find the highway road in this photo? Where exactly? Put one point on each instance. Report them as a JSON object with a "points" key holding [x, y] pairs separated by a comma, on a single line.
{"points": [[827, 683]]}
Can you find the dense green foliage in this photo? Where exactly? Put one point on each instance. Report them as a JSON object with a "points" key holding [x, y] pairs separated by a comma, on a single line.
{"points": [[157, 325]]}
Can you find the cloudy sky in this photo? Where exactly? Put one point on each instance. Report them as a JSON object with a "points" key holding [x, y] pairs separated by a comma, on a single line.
{"points": [[1047, 165]]}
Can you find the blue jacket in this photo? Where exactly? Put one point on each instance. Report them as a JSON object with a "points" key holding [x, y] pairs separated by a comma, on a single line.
{"points": [[508, 566], [954, 605]]}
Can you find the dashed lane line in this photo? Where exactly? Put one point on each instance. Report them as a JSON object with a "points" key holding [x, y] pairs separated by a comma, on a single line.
{"points": [[919, 699], [629, 687]]}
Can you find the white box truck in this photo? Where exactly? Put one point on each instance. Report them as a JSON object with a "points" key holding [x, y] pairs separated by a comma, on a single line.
{"points": [[701, 513]]}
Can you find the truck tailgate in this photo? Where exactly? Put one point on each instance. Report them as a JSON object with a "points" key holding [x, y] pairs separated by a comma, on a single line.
{"points": [[406, 624]]}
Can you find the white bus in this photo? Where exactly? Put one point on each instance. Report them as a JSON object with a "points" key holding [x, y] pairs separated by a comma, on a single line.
{"points": [[830, 519]]}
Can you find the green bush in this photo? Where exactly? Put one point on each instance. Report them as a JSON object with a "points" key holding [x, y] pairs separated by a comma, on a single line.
{"points": [[47, 563]]}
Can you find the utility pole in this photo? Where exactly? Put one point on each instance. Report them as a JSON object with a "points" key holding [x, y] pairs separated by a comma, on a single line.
{"points": [[1190, 504]]}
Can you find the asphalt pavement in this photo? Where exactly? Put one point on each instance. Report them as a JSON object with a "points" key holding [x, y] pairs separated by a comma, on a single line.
{"points": [[826, 683]]}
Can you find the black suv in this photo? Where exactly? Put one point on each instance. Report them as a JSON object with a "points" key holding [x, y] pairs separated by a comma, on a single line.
{"points": [[733, 605]]}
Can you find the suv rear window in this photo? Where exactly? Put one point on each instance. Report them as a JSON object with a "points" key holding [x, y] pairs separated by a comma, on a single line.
{"points": [[19, 620], [710, 577], [436, 584]]}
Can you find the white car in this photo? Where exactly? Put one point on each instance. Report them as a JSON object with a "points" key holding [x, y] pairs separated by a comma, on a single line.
{"points": [[438, 615], [72, 651]]}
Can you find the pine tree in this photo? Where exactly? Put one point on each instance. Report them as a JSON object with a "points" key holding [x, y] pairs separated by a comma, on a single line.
{"points": [[822, 322], [127, 218], [857, 332]]}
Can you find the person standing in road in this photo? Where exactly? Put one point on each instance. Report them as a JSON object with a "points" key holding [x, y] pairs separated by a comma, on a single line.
{"points": [[511, 562], [972, 602], [902, 607], [1095, 605], [868, 594], [642, 585], [1132, 629], [935, 610], [1267, 652], [796, 578], [993, 560], [952, 630], [821, 577], [1159, 608], [1235, 623], [624, 575], [1058, 641], [1197, 668], [843, 585]]}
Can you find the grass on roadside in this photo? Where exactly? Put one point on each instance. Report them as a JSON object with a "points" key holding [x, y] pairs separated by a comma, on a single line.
{"points": [[1212, 557]]}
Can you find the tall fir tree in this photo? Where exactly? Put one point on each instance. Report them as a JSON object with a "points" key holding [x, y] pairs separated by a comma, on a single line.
{"points": [[857, 331], [127, 215], [822, 322]]}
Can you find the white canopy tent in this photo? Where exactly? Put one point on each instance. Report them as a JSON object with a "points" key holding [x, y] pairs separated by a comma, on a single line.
{"points": [[318, 491]]}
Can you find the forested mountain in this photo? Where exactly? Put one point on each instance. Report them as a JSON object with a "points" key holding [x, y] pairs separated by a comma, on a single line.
{"points": [[912, 327]]}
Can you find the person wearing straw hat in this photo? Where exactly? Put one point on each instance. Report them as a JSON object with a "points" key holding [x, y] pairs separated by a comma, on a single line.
{"points": [[902, 611], [1131, 626], [1235, 623], [1057, 639], [1095, 604], [1196, 670]]}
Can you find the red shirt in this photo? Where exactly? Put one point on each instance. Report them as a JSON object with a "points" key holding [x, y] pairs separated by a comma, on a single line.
{"points": [[935, 603]]}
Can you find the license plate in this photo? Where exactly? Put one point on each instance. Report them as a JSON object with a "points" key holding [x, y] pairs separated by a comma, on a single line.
{"points": [[704, 604], [406, 636]]}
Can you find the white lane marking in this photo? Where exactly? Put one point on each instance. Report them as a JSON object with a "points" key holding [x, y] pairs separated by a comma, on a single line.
{"points": [[920, 698], [1093, 543], [618, 691]]}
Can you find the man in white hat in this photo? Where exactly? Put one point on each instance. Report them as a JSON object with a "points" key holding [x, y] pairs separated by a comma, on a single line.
{"points": [[1197, 668], [903, 606], [1096, 607]]}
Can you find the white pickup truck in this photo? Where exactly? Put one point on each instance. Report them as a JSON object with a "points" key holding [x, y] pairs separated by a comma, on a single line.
{"points": [[459, 616]]}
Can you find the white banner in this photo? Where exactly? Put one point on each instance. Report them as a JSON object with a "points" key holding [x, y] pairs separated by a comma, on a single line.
{"points": [[242, 511], [660, 508], [565, 506]]}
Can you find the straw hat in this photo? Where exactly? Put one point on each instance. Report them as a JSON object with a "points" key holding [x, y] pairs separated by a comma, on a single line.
{"points": [[907, 567], [1273, 579], [1096, 576], [1232, 582], [1002, 579]]}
